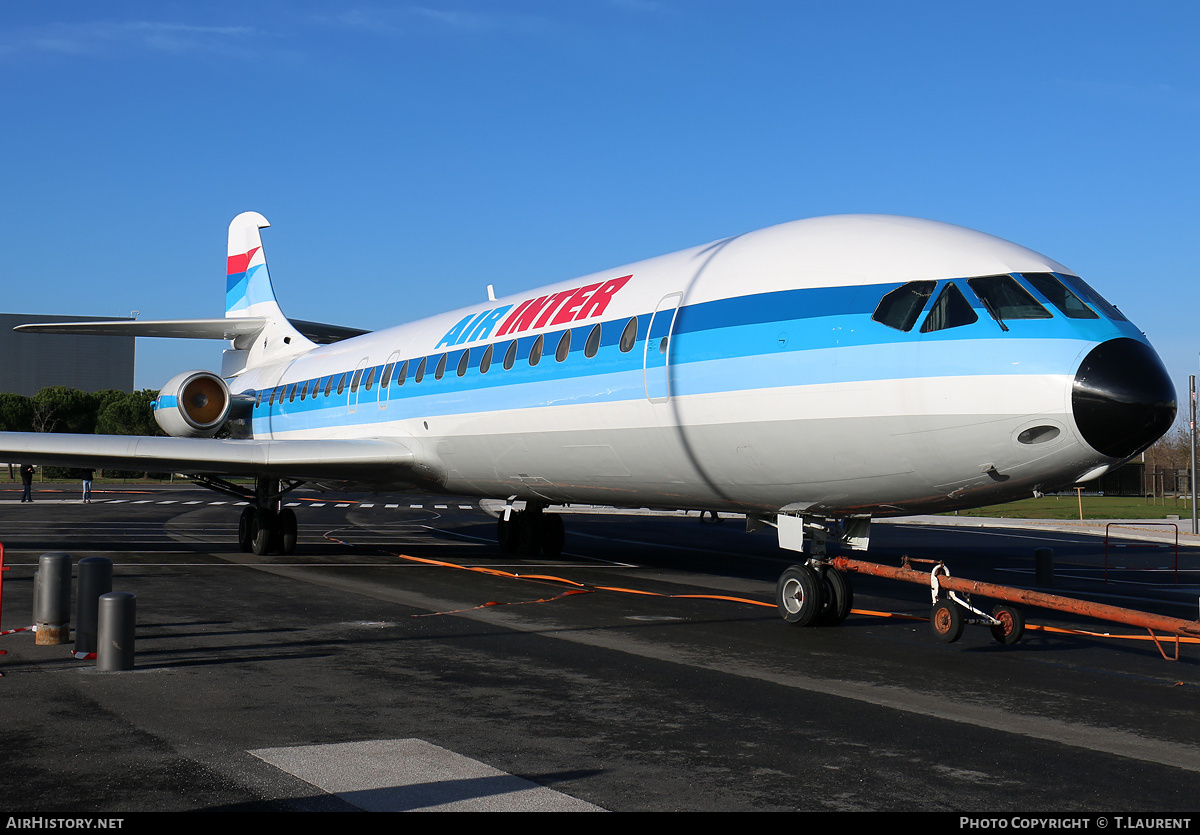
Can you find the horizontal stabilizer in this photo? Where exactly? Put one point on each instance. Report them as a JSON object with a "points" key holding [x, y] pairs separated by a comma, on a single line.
{"points": [[324, 334], [176, 328], [318, 332]]}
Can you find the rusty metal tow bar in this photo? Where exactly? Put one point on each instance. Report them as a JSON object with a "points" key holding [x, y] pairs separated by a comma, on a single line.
{"points": [[1007, 623]]}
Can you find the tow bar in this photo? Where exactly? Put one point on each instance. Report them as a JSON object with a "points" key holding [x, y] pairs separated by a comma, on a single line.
{"points": [[1007, 624]]}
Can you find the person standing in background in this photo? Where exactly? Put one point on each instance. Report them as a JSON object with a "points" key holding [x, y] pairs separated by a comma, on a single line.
{"points": [[27, 482]]}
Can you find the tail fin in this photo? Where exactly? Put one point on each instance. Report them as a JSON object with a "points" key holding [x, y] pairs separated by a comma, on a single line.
{"points": [[248, 289], [249, 294]]}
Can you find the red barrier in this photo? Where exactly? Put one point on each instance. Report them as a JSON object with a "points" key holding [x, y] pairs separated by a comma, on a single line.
{"points": [[3, 568]]}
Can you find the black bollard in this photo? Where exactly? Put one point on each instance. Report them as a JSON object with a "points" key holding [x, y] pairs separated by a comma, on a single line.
{"points": [[116, 616], [1044, 563], [52, 610], [95, 579]]}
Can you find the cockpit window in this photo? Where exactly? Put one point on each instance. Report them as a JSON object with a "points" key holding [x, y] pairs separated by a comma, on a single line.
{"points": [[1058, 295], [951, 310], [1006, 299], [900, 308], [1092, 297]]}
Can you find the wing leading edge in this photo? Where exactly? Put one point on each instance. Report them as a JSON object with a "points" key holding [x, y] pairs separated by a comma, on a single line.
{"points": [[370, 462]]}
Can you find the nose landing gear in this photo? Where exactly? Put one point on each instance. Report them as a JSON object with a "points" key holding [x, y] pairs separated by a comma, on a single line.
{"points": [[808, 594]]}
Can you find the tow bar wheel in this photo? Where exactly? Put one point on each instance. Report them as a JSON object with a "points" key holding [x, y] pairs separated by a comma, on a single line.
{"points": [[798, 595], [1009, 626], [947, 621]]}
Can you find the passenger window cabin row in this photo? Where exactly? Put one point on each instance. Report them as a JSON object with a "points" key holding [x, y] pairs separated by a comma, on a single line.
{"points": [[398, 372]]}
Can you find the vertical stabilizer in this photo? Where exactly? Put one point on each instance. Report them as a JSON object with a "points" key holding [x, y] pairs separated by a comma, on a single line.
{"points": [[248, 288], [249, 294]]}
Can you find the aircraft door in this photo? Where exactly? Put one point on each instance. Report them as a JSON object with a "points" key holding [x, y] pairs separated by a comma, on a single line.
{"points": [[656, 364], [384, 386], [264, 427], [356, 380]]}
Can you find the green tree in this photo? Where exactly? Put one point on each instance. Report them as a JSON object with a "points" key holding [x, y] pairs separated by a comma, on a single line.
{"points": [[63, 409], [16, 412], [128, 414], [16, 415]]}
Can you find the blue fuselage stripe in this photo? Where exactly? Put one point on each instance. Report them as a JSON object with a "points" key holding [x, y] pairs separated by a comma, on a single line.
{"points": [[789, 338]]}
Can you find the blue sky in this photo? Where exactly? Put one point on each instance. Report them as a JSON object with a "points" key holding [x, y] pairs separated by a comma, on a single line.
{"points": [[409, 154]]}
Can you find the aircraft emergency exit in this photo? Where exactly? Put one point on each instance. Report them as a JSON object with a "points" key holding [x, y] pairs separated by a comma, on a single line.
{"points": [[810, 375]]}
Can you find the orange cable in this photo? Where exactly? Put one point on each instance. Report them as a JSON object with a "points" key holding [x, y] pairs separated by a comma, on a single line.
{"points": [[582, 588]]}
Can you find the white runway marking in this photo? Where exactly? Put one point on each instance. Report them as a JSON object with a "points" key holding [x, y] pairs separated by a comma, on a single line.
{"points": [[403, 775], [239, 504]]}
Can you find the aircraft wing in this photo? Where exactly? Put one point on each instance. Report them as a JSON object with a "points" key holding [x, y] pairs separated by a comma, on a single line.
{"points": [[371, 462]]}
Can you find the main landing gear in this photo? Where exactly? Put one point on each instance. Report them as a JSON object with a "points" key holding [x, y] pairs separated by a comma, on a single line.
{"points": [[265, 526], [266, 530], [530, 531]]}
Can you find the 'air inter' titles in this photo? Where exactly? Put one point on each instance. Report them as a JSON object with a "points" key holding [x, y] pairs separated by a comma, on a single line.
{"points": [[555, 309]]}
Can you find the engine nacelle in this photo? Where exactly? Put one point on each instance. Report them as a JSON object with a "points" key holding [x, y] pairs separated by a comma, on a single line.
{"points": [[194, 404]]}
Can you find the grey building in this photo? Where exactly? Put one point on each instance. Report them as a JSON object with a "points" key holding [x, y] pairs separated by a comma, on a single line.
{"points": [[31, 361]]}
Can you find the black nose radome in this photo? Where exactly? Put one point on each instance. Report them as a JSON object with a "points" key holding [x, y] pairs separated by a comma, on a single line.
{"points": [[1123, 399]]}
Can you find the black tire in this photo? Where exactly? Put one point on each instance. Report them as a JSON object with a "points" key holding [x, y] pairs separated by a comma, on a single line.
{"points": [[554, 535], [530, 533], [286, 522], [245, 526], [946, 619], [1011, 626], [506, 532], [837, 597], [798, 595], [263, 531]]}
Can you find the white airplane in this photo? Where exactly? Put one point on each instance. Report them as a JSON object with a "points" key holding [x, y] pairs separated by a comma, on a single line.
{"points": [[810, 375]]}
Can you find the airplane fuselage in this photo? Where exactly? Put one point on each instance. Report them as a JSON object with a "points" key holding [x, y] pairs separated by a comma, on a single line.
{"points": [[767, 371]]}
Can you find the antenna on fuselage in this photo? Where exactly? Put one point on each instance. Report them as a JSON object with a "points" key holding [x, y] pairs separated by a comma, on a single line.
{"points": [[491, 293]]}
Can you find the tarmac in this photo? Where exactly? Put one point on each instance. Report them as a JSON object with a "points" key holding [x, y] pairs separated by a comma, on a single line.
{"points": [[345, 677]]}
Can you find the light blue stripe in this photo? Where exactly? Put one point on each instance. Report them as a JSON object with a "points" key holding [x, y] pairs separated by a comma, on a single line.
{"points": [[757, 353], [501, 390]]}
